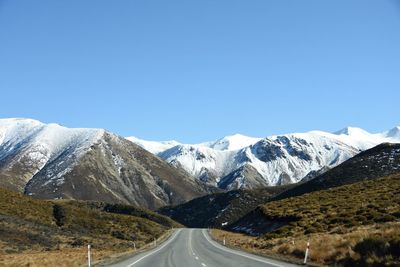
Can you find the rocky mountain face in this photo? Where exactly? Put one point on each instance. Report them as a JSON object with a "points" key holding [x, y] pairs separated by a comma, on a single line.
{"points": [[379, 161], [51, 161], [238, 161]]}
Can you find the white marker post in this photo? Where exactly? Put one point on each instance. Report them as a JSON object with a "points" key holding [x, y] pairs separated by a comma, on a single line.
{"points": [[134, 246], [224, 224], [89, 256], [155, 242], [306, 256]]}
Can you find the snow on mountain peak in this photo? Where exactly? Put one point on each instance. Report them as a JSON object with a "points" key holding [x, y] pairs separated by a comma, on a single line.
{"points": [[277, 159], [27, 142], [357, 138], [352, 131], [154, 147], [227, 143], [43, 141], [272, 160], [393, 133], [233, 142]]}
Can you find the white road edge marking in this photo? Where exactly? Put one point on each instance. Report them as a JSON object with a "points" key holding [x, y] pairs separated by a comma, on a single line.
{"points": [[160, 248], [203, 264], [190, 243], [236, 252]]}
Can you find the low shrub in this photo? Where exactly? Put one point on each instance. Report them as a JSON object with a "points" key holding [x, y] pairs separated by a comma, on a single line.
{"points": [[60, 214], [372, 246]]}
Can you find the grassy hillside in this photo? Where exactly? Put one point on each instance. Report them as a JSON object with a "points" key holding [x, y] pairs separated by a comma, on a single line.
{"points": [[133, 211], [356, 224], [214, 209], [33, 231], [362, 203]]}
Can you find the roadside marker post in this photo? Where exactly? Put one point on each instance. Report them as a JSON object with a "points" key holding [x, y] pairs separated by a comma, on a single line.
{"points": [[89, 257], [222, 225], [307, 251], [134, 246]]}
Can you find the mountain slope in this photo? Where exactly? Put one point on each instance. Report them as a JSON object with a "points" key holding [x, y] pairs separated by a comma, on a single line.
{"points": [[214, 209], [244, 162], [378, 161], [26, 146], [51, 161], [30, 227], [351, 225], [326, 210]]}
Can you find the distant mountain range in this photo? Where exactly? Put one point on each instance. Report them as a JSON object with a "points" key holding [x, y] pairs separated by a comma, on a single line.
{"points": [[240, 208], [240, 161], [51, 161], [381, 160]]}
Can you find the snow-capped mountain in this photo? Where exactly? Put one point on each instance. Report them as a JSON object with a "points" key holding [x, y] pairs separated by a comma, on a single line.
{"points": [[26, 146], [232, 142], [207, 161], [153, 146], [52, 161], [227, 143], [238, 161], [391, 135]]}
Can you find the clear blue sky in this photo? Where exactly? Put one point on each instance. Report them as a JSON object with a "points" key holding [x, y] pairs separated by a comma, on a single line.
{"points": [[199, 70]]}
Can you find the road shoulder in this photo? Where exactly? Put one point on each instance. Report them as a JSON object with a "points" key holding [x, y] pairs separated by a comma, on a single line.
{"points": [[123, 256], [270, 259]]}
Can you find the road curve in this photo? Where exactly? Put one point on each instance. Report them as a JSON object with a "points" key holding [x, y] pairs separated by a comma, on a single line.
{"points": [[195, 248]]}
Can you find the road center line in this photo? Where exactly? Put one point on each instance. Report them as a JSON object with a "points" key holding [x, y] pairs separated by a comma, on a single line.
{"points": [[191, 248], [190, 243]]}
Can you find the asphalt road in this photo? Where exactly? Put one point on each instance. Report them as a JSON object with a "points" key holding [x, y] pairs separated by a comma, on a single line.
{"points": [[195, 248]]}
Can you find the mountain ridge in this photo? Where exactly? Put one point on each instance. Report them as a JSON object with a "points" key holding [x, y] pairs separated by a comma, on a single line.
{"points": [[52, 161], [277, 159], [50, 153]]}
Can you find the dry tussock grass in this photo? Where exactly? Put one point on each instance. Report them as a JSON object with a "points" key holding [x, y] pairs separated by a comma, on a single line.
{"points": [[63, 258], [325, 248], [36, 232]]}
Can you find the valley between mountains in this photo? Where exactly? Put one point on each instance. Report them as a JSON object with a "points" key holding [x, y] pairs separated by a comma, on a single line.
{"points": [[63, 188]]}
